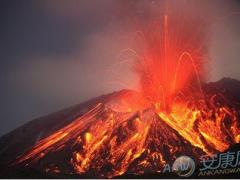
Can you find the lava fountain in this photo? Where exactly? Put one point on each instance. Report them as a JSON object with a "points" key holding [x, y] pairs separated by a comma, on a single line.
{"points": [[175, 116], [170, 63]]}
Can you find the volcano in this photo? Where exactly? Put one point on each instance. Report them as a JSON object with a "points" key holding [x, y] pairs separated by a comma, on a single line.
{"points": [[102, 139], [135, 133]]}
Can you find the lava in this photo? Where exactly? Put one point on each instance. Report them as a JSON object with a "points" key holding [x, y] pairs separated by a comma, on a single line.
{"points": [[172, 115], [169, 63]]}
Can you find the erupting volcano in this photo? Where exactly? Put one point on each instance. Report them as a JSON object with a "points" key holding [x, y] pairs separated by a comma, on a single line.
{"points": [[168, 64], [173, 113]]}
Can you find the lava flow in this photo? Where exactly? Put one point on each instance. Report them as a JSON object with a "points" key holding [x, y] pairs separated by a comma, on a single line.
{"points": [[171, 115]]}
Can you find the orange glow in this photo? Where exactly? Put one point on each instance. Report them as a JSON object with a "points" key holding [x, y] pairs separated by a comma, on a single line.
{"points": [[133, 132], [169, 65]]}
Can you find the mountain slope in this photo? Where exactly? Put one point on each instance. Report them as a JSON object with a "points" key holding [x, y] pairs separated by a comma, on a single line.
{"points": [[94, 140]]}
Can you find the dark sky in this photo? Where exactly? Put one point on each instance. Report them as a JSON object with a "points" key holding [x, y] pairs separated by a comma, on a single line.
{"points": [[56, 53]]}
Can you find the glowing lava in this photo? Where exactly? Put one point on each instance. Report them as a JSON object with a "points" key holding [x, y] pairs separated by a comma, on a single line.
{"points": [[175, 117], [169, 65]]}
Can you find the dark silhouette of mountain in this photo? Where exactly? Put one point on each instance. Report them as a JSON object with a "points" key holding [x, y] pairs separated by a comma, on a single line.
{"points": [[228, 86]]}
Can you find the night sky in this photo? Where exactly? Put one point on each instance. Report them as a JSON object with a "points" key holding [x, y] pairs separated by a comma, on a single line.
{"points": [[56, 53]]}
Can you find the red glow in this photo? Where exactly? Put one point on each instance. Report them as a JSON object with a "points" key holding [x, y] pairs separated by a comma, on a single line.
{"points": [[168, 65], [133, 132]]}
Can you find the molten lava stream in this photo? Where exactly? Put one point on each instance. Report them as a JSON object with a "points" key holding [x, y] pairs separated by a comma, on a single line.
{"points": [[203, 129]]}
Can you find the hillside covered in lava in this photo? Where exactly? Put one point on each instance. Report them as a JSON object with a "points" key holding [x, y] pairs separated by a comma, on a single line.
{"points": [[105, 138]]}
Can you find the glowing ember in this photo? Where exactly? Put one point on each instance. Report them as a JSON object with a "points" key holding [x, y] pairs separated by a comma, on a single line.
{"points": [[162, 121]]}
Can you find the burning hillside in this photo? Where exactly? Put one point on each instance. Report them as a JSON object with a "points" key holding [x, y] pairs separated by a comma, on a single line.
{"points": [[131, 132], [98, 141]]}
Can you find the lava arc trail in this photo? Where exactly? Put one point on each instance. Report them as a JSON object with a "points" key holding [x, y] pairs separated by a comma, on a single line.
{"points": [[169, 64]]}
